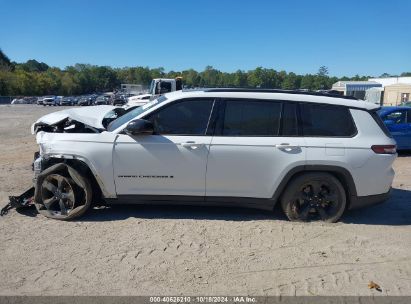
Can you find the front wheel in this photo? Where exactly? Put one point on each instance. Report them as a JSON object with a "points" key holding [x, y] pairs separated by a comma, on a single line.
{"points": [[314, 197], [62, 193]]}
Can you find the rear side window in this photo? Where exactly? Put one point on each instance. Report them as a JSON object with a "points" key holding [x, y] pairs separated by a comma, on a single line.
{"points": [[251, 118], [380, 123], [327, 121]]}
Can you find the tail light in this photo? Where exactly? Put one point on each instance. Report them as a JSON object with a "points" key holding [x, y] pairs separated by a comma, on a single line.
{"points": [[384, 149]]}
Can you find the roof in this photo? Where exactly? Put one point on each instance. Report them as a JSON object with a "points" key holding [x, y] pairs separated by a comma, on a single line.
{"points": [[273, 95], [392, 80], [356, 82], [398, 85], [301, 92]]}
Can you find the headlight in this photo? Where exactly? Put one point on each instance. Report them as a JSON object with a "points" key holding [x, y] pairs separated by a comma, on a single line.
{"points": [[37, 166], [42, 149]]}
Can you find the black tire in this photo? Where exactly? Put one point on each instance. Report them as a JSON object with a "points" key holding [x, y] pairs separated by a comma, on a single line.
{"points": [[62, 193], [314, 196]]}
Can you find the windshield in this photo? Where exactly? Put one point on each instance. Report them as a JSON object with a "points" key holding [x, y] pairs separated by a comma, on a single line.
{"points": [[134, 113]]}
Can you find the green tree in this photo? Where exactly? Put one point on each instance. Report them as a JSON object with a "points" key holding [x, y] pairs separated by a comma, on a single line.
{"points": [[5, 63], [323, 71], [34, 66]]}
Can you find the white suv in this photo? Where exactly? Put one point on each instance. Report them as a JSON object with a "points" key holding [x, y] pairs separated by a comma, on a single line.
{"points": [[315, 154]]}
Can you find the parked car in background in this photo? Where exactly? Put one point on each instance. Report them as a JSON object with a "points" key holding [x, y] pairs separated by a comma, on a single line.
{"points": [[49, 101], [24, 100], [58, 99], [39, 100], [75, 100], [101, 100], [119, 100], [67, 101], [20, 101], [84, 101], [398, 122]]}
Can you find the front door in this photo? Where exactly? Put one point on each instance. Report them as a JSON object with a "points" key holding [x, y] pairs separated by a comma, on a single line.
{"points": [[173, 160]]}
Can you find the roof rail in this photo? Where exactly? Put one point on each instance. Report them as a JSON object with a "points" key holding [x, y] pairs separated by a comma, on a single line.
{"points": [[252, 90]]}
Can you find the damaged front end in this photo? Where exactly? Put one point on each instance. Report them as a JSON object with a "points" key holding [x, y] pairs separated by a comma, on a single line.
{"points": [[26, 199], [18, 202], [61, 188], [78, 120]]}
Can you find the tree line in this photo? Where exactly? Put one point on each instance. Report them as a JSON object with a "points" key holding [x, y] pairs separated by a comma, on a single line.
{"points": [[34, 78]]}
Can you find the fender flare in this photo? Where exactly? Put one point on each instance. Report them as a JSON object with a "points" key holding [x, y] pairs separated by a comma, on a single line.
{"points": [[89, 165], [342, 174]]}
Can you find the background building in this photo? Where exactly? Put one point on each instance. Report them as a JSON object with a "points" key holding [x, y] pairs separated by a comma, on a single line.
{"points": [[388, 91], [396, 90], [355, 88], [396, 94]]}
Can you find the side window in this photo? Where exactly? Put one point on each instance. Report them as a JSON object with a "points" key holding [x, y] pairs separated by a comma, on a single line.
{"points": [[165, 86], [325, 120], [397, 117], [251, 118], [289, 120], [189, 117]]}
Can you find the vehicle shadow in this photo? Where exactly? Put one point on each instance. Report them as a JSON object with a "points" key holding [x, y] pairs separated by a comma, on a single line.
{"points": [[181, 212], [395, 211]]}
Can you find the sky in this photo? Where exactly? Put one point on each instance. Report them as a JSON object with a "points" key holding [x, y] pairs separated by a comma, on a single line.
{"points": [[348, 36]]}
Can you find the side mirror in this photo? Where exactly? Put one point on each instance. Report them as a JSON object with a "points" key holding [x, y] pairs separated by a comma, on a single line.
{"points": [[139, 127]]}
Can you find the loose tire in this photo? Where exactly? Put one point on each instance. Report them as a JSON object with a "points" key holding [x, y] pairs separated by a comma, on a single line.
{"points": [[313, 197], [62, 193]]}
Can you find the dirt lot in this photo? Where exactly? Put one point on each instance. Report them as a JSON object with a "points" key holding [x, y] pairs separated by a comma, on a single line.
{"points": [[147, 250]]}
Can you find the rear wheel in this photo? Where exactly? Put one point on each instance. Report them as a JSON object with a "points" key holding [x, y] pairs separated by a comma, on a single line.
{"points": [[314, 197], [62, 193]]}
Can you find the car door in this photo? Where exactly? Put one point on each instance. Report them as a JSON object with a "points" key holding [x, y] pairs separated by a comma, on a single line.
{"points": [[399, 124], [173, 160], [328, 131], [252, 150]]}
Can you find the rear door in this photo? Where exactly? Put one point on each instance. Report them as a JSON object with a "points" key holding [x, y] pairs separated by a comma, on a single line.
{"points": [[255, 144], [328, 131]]}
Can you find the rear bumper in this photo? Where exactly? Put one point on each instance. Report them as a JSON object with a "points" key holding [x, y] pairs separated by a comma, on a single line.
{"points": [[369, 200]]}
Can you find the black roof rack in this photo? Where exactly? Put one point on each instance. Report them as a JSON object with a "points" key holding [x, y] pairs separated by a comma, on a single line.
{"points": [[302, 92]]}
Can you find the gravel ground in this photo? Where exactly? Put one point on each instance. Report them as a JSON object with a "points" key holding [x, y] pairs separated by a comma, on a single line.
{"points": [[155, 250]]}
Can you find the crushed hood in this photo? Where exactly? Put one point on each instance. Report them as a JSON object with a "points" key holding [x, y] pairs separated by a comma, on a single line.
{"points": [[90, 116]]}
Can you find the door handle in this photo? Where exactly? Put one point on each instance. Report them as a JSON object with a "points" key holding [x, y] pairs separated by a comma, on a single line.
{"points": [[286, 146], [191, 145]]}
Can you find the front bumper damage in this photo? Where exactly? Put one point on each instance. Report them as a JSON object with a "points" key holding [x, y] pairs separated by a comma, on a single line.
{"points": [[26, 199], [19, 202]]}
